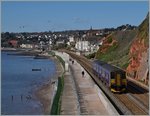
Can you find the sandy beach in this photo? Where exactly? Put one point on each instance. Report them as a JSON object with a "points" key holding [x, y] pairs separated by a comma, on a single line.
{"points": [[44, 93], [44, 96]]}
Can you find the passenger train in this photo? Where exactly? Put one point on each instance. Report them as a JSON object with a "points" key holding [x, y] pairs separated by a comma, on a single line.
{"points": [[113, 77]]}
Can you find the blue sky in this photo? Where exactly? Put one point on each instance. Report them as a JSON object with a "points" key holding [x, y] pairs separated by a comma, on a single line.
{"points": [[58, 16]]}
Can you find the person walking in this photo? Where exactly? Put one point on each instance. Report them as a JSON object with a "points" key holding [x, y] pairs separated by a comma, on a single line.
{"points": [[72, 62], [82, 73]]}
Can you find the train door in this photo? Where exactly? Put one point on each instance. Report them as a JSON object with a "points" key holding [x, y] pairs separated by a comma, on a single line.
{"points": [[124, 81], [95, 69], [113, 81], [100, 73], [118, 81]]}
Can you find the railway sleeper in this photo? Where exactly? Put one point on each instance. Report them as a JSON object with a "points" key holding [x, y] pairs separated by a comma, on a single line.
{"points": [[138, 103], [84, 111]]}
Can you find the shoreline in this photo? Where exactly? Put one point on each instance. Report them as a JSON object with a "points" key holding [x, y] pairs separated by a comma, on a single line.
{"points": [[45, 92], [43, 95]]}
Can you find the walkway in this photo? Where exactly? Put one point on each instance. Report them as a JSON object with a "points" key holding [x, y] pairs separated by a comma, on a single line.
{"points": [[80, 95], [69, 105], [89, 100]]}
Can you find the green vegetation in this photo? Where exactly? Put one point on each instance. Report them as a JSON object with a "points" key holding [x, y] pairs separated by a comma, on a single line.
{"points": [[109, 55], [112, 48], [55, 110], [110, 39], [125, 65], [91, 55], [56, 106], [51, 53], [118, 54], [144, 30], [61, 60]]}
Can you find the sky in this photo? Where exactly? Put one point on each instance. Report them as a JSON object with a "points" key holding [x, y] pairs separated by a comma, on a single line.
{"points": [[59, 16]]}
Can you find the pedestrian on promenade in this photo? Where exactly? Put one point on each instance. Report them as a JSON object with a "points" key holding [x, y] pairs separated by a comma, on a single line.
{"points": [[72, 62], [69, 59], [82, 73]]}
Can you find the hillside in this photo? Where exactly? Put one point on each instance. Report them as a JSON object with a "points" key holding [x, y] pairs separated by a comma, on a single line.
{"points": [[138, 66], [115, 48], [128, 49]]}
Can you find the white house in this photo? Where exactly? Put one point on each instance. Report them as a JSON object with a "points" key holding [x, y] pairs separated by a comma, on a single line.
{"points": [[82, 46], [26, 46], [71, 39], [50, 41]]}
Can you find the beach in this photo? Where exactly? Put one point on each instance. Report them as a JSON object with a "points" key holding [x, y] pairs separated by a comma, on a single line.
{"points": [[46, 92], [44, 96], [37, 84]]}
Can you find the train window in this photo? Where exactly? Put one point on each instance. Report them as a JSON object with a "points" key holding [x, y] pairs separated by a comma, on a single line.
{"points": [[112, 75], [103, 73], [107, 76], [95, 67], [100, 70], [123, 75]]}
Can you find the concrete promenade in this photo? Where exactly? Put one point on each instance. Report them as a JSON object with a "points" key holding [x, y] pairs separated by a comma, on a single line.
{"points": [[89, 100], [80, 95], [69, 104]]}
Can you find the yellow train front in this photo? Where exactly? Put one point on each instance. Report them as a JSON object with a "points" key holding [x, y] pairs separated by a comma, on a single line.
{"points": [[111, 76]]}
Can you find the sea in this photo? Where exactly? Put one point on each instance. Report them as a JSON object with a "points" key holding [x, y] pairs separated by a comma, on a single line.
{"points": [[19, 83]]}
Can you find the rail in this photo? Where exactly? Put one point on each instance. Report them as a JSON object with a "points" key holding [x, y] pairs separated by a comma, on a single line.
{"points": [[119, 104]]}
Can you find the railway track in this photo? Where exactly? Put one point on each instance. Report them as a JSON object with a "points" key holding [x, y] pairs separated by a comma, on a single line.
{"points": [[135, 101], [140, 96], [130, 103]]}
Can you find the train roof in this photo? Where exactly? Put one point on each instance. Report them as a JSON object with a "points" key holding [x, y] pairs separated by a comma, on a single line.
{"points": [[107, 66], [110, 67], [100, 62]]}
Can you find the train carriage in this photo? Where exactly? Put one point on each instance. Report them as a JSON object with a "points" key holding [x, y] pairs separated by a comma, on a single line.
{"points": [[111, 76]]}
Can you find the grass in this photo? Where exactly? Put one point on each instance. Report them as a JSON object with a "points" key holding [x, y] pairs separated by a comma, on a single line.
{"points": [[55, 110], [144, 31], [118, 54], [110, 39], [51, 53], [61, 60], [109, 55], [124, 65], [91, 55], [56, 106]]}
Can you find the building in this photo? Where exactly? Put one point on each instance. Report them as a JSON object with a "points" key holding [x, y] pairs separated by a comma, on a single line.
{"points": [[82, 46], [71, 39], [14, 43], [29, 46], [60, 42]]}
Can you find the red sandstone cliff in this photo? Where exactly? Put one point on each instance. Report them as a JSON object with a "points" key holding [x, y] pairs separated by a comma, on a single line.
{"points": [[139, 52]]}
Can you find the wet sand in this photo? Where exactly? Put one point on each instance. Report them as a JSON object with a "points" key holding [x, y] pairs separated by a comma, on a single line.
{"points": [[44, 96], [45, 92]]}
